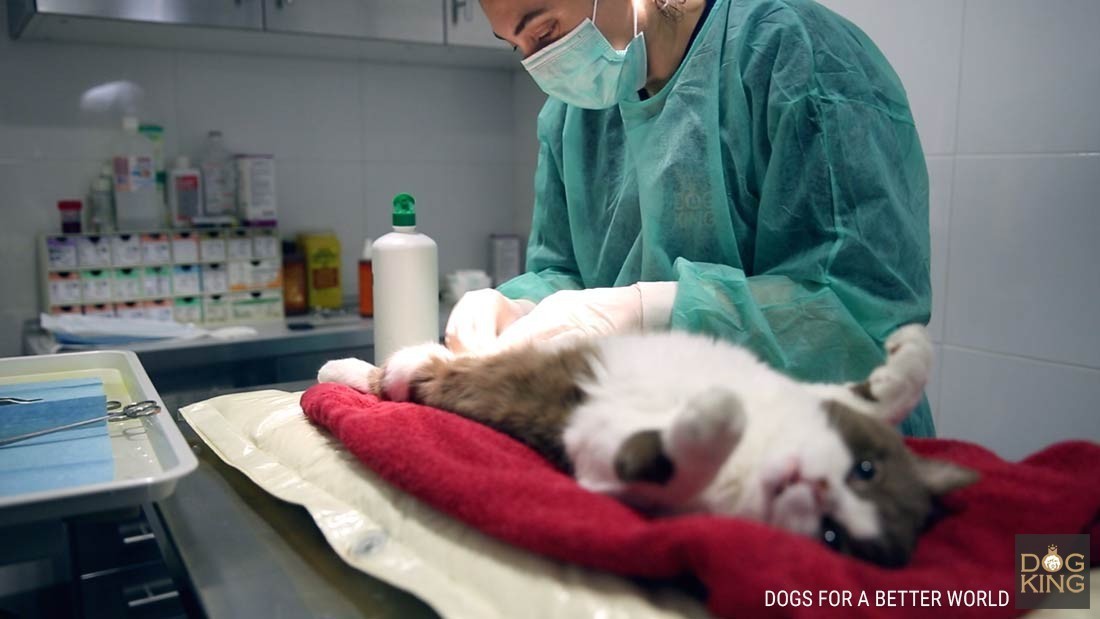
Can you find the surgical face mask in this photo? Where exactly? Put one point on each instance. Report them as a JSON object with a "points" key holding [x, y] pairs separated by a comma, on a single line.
{"points": [[583, 69]]}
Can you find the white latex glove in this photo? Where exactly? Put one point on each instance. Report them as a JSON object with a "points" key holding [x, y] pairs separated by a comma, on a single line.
{"points": [[479, 317], [594, 312]]}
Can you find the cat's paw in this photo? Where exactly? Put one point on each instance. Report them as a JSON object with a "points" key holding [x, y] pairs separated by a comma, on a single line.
{"points": [[354, 373], [898, 384], [707, 429], [641, 458], [400, 369], [909, 341]]}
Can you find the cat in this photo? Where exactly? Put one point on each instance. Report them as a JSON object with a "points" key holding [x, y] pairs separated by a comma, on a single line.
{"points": [[674, 423]]}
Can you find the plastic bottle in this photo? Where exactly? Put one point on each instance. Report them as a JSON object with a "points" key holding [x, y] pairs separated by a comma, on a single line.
{"points": [[219, 180], [137, 206], [184, 193], [406, 284], [366, 281], [101, 206], [155, 135]]}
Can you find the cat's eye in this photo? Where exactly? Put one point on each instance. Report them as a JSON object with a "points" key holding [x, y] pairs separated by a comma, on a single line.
{"points": [[864, 470]]}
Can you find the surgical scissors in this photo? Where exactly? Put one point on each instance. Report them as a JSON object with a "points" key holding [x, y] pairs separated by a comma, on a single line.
{"points": [[115, 412]]}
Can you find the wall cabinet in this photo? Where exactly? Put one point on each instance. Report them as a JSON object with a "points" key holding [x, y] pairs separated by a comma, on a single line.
{"points": [[451, 32], [468, 26], [242, 14], [418, 21]]}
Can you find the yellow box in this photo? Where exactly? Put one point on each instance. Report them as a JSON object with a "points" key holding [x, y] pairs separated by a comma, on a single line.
{"points": [[322, 252]]}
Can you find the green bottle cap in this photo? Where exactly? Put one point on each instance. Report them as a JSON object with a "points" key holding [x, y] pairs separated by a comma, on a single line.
{"points": [[404, 210]]}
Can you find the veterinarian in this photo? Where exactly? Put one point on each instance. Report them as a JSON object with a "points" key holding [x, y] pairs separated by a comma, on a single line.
{"points": [[747, 169]]}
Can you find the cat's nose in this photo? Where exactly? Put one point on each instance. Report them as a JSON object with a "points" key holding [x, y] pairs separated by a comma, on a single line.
{"points": [[819, 487]]}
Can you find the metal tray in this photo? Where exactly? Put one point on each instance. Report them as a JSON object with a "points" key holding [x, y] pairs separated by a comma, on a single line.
{"points": [[150, 453]]}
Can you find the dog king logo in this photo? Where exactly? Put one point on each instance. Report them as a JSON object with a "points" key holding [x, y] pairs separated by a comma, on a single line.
{"points": [[1052, 571]]}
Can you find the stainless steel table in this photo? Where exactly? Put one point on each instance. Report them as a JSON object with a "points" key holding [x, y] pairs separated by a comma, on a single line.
{"points": [[249, 554]]}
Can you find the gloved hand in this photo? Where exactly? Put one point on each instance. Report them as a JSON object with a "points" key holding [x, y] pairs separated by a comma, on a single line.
{"points": [[594, 312], [479, 317]]}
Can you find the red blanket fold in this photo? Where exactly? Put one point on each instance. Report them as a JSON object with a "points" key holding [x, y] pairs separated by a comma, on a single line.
{"points": [[501, 487]]}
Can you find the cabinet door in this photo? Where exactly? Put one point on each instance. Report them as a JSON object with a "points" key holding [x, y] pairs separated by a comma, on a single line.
{"points": [[468, 26], [396, 20], [222, 13]]}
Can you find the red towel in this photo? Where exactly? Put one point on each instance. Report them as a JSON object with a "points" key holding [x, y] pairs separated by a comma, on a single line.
{"points": [[501, 487]]}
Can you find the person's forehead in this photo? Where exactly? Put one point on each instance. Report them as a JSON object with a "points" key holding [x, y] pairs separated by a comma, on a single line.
{"points": [[508, 17], [517, 8]]}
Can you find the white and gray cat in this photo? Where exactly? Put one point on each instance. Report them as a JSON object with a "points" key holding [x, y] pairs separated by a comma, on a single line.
{"points": [[674, 423]]}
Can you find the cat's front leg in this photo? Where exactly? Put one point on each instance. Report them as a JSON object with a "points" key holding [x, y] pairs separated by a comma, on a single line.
{"points": [[895, 388], [354, 373]]}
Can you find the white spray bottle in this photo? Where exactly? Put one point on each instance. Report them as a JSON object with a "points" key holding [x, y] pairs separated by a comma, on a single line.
{"points": [[406, 284]]}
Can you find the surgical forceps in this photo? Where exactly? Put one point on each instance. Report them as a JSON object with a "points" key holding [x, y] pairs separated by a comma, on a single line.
{"points": [[115, 412]]}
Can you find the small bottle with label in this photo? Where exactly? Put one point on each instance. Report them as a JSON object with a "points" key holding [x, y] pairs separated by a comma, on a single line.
{"points": [[295, 297], [366, 282], [70, 216], [185, 193]]}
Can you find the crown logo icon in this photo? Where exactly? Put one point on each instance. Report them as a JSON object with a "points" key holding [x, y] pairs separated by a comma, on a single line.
{"points": [[1052, 562]]}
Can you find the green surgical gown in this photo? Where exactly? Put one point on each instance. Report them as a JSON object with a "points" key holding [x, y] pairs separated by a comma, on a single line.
{"points": [[777, 177]]}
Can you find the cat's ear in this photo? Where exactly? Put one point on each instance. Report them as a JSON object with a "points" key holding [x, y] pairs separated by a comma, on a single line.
{"points": [[941, 477]]}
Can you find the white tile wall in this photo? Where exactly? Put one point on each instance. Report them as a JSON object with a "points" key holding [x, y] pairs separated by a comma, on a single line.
{"points": [[941, 173], [438, 114], [1024, 252], [1031, 77], [307, 110], [41, 116], [347, 135], [1015, 405]]}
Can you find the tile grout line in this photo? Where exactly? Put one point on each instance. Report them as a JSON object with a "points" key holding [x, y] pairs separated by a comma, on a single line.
{"points": [[951, 204], [361, 72], [1019, 357]]}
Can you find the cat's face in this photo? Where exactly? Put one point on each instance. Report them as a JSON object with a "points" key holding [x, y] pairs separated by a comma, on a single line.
{"points": [[858, 489]]}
